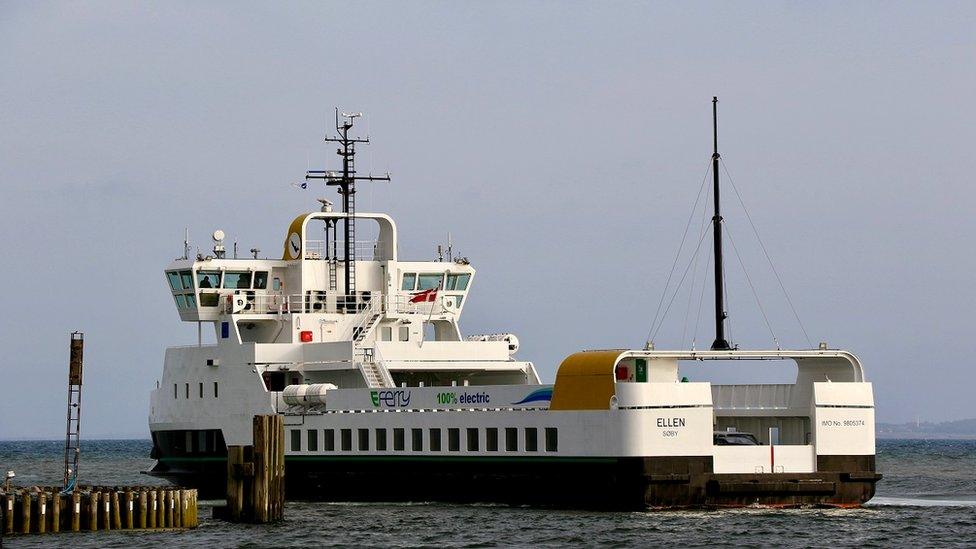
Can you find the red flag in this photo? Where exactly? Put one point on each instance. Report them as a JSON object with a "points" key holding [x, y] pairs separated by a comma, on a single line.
{"points": [[425, 296]]}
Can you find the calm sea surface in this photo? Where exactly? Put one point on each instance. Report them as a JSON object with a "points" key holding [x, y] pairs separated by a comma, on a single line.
{"points": [[927, 498]]}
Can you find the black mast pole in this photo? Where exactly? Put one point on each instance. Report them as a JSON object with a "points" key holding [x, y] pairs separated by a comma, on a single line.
{"points": [[347, 188], [720, 343]]}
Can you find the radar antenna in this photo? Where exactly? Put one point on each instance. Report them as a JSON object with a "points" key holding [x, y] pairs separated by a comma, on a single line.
{"points": [[346, 181]]}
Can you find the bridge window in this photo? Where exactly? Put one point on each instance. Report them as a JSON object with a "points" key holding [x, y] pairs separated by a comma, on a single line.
{"points": [[429, 281], [237, 280], [180, 301], [208, 279], [209, 299], [261, 280], [409, 281], [187, 278], [174, 280], [458, 282], [191, 301]]}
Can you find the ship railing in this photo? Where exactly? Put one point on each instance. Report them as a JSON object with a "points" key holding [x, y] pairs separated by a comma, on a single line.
{"points": [[366, 250], [403, 303], [312, 301], [752, 396]]}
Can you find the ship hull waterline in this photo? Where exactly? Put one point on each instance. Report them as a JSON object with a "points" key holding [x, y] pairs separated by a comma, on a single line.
{"points": [[592, 483]]}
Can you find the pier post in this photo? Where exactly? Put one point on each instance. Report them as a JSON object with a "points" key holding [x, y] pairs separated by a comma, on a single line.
{"points": [[194, 514], [8, 515], [116, 515], [178, 508], [93, 499], [75, 511], [151, 508], [160, 507], [129, 505], [41, 512], [25, 511], [235, 482], [260, 496], [143, 503], [56, 512]]}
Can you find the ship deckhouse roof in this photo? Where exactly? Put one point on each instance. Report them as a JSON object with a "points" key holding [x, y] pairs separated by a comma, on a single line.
{"points": [[384, 248]]}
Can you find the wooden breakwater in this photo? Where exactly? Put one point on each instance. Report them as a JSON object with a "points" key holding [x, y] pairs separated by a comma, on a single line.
{"points": [[39, 510], [256, 475]]}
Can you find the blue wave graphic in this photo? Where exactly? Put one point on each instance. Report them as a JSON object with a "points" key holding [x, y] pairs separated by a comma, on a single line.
{"points": [[539, 395]]}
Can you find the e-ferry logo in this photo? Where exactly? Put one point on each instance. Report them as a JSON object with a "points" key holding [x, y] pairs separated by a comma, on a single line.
{"points": [[390, 399]]}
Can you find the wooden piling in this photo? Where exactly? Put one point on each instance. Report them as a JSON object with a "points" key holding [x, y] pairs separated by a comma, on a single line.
{"points": [[170, 512], [116, 512], [128, 510], [8, 515], [178, 508], [41, 513], [235, 482], [260, 496], [143, 502], [25, 511], [75, 511], [160, 509], [56, 501], [151, 508], [106, 511], [93, 500]]}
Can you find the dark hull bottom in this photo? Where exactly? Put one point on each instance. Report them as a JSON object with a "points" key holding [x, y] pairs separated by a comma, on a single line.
{"points": [[624, 483]]}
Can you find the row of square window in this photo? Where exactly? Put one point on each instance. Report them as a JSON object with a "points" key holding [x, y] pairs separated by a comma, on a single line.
{"points": [[186, 386], [379, 441]]}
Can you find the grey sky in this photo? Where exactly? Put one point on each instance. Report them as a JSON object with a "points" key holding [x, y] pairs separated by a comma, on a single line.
{"points": [[561, 144]]}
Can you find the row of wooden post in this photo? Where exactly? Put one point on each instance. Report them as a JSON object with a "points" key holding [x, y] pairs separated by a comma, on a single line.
{"points": [[33, 511], [256, 474]]}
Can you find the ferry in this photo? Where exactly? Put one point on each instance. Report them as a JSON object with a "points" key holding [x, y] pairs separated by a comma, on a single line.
{"points": [[385, 399]]}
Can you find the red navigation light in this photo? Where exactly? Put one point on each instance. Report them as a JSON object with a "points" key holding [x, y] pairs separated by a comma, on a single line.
{"points": [[623, 373], [306, 336]]}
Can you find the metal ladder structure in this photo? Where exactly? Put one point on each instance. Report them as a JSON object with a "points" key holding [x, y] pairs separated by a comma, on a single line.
{"points": [[72, 437], [346, 181]]}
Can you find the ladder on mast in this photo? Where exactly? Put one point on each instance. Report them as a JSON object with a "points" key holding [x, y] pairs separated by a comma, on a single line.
{"points": [[72, 436], [346, 181]]}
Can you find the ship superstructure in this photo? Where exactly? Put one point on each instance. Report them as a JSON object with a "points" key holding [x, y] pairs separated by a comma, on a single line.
{"points": [[385, 399]]}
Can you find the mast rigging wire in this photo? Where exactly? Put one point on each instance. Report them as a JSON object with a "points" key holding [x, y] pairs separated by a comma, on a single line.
{"points": [[677, 288], [752, 287], [701, 298], [766, 253], [677, 255]]}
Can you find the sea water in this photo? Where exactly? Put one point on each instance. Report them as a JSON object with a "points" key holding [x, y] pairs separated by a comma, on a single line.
{"points": [[927, 498]]}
